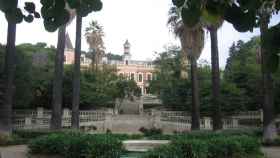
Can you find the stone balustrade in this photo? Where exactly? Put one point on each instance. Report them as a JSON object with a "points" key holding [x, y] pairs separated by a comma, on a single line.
{"points": [[103, 120]]}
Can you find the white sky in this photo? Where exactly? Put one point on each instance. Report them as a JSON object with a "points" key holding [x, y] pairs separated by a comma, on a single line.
{"points": [[142, 22]]}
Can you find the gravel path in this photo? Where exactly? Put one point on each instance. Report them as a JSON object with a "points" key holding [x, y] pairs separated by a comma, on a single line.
{"points": [[20, 151], [271, 152]]}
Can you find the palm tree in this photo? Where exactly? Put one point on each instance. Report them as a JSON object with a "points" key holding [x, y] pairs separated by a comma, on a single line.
{"points": [[192, 41], [9, 72], [217, 114], [94, 35], [213, 27], [77, 74], [56, 119]]}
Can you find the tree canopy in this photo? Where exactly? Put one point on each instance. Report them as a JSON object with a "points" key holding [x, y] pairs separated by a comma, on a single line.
{"points": [[175, 92], [55, 13], [34, 75], [244, 15]]}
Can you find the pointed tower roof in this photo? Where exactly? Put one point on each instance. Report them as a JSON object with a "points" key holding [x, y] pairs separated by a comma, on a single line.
{"points": [[68, 43], [127, 44]]}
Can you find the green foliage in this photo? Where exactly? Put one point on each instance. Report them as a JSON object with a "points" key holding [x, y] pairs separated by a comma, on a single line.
{"points": [[176, 92], [178, 3], [168, 85], [102, 87], [242, 70], [31, 134], [242, 21], [74, 144], [55, 14], [11, 140], [14, 14], [2, 57], [191, 14], [34, 75], [111, 56], [31, 81], [242, 14]]}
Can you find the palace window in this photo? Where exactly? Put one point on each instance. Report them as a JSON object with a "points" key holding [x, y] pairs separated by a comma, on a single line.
{"points": [[121, 75], [82, 59], [140, 78], [149, 77], [132, 76]]}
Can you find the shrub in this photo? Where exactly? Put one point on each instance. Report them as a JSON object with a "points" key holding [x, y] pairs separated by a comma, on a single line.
{"points": [[150, 132], [75, 145], [106, 146], [162, 137], [31, 134], [49, 144], [6, 140]]}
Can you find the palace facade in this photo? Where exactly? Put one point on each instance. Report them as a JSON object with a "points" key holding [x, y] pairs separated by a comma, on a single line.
{"points": [[140, 71]]}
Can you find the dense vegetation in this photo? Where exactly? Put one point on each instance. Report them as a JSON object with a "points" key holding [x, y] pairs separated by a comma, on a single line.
{"points": [[73, 145], [240, 81], [244, 70], [209, 146], [34, 76]]}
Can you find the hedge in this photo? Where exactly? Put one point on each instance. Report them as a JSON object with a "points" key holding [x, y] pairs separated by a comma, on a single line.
{"points": [[210, 145]]}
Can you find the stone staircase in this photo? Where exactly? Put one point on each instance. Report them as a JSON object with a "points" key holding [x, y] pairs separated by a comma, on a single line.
{"points": [[130, 106], [130, 123]]}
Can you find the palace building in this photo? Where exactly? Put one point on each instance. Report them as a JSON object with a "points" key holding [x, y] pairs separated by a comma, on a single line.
{"points": [[139, 71]]}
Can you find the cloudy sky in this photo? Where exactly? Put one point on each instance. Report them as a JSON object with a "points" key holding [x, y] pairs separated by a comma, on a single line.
{"points": [[142, 22]]}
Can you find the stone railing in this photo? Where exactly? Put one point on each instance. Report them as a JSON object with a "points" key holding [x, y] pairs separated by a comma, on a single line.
{"points": [[40, 119], [181, 121], [103, 120]]}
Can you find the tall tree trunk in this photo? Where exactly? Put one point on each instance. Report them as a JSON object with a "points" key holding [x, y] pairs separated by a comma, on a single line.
{"points": [[56, 120], [184, 65], [9, 74], [195, 96], [269, 127], [217, 116], [77, 74], [96, 62]]}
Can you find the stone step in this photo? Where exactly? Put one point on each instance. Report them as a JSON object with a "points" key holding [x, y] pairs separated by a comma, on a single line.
{"points": [[143, 145], [130, 124]]}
